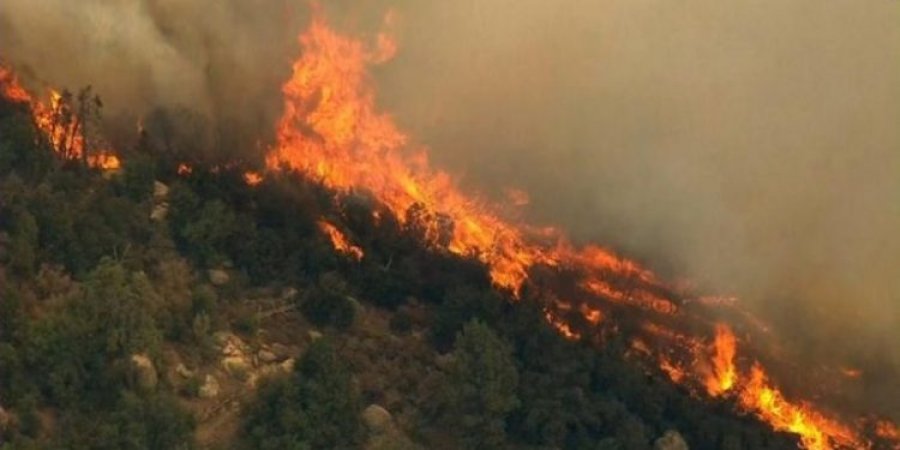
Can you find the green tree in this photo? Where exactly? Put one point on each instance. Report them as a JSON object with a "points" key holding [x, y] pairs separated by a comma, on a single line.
{"points": [[23, 248], [154, 422], [481, 387], [209, 231], [138, 177], [119, 303], [316, 407], [77, 347], [328, 303], [460, 306]]}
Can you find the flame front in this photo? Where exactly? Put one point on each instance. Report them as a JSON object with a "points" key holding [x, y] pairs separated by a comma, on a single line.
{"points": [[59, 124], [340, 241], [331, 131], [724, 373], [816, 431]]}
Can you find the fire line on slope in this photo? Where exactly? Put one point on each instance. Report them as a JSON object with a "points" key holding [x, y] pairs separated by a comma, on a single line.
{"points": [[331, 131]]}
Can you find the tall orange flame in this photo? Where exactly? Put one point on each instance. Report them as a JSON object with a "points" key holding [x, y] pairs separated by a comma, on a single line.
{"points": [[816, 431], [331, 131], [724, 374]]}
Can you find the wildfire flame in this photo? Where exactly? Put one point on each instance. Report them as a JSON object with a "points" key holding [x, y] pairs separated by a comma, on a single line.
{"points": [[816, 431], [10, 88], [724, 374], [331, 131], [252, 178], [340, 241], [60, 126]]}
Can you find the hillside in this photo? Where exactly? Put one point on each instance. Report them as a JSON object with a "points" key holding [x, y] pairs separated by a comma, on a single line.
{"points": [[159, 306]]}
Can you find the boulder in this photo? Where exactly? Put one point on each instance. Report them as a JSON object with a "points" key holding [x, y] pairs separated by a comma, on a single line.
{"points": [[146, 377], [160, 212], [288, 365], [289, 293], [670, 440], [218, 277], [377, 419], [283, 352], [183, 371], [222, 338], [266, 356], [160, 190], [209, 388], [237, 366], [230, 344]]}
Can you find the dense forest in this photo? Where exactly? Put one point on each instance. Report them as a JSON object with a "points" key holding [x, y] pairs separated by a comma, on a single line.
{"points": [[164, 307]]}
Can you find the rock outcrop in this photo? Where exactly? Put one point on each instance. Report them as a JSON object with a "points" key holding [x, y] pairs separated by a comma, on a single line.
{"points": [[209, 388], [145, 375], [377, 419], [670, 440]]}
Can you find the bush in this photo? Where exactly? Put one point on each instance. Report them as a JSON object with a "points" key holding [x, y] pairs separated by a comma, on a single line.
{"points": [[324, 308], [329, 304], [316, 407], [401, 323], [480, 391]]}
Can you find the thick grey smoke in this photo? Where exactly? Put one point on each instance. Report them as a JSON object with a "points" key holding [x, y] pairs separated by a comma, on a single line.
{"points": [[220, 62], [751, 145]]}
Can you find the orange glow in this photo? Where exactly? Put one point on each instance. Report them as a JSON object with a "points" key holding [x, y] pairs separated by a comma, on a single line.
{"points": [[815, 430], [642, 299], [723, 375], [641, 346], [674, 372], [517, 197], [594, 316], [340, 241], [887, 430], [252, 178], [184, 170], [10, 87], [562, 327], [850, 372], [332, 132], [105, 161]]}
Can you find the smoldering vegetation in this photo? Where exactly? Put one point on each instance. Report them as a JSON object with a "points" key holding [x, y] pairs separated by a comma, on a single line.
{"points": [[750, 146]]}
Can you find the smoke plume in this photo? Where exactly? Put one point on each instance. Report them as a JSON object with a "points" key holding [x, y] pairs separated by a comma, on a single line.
{"points": [[749, 145], [219, 63]]}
